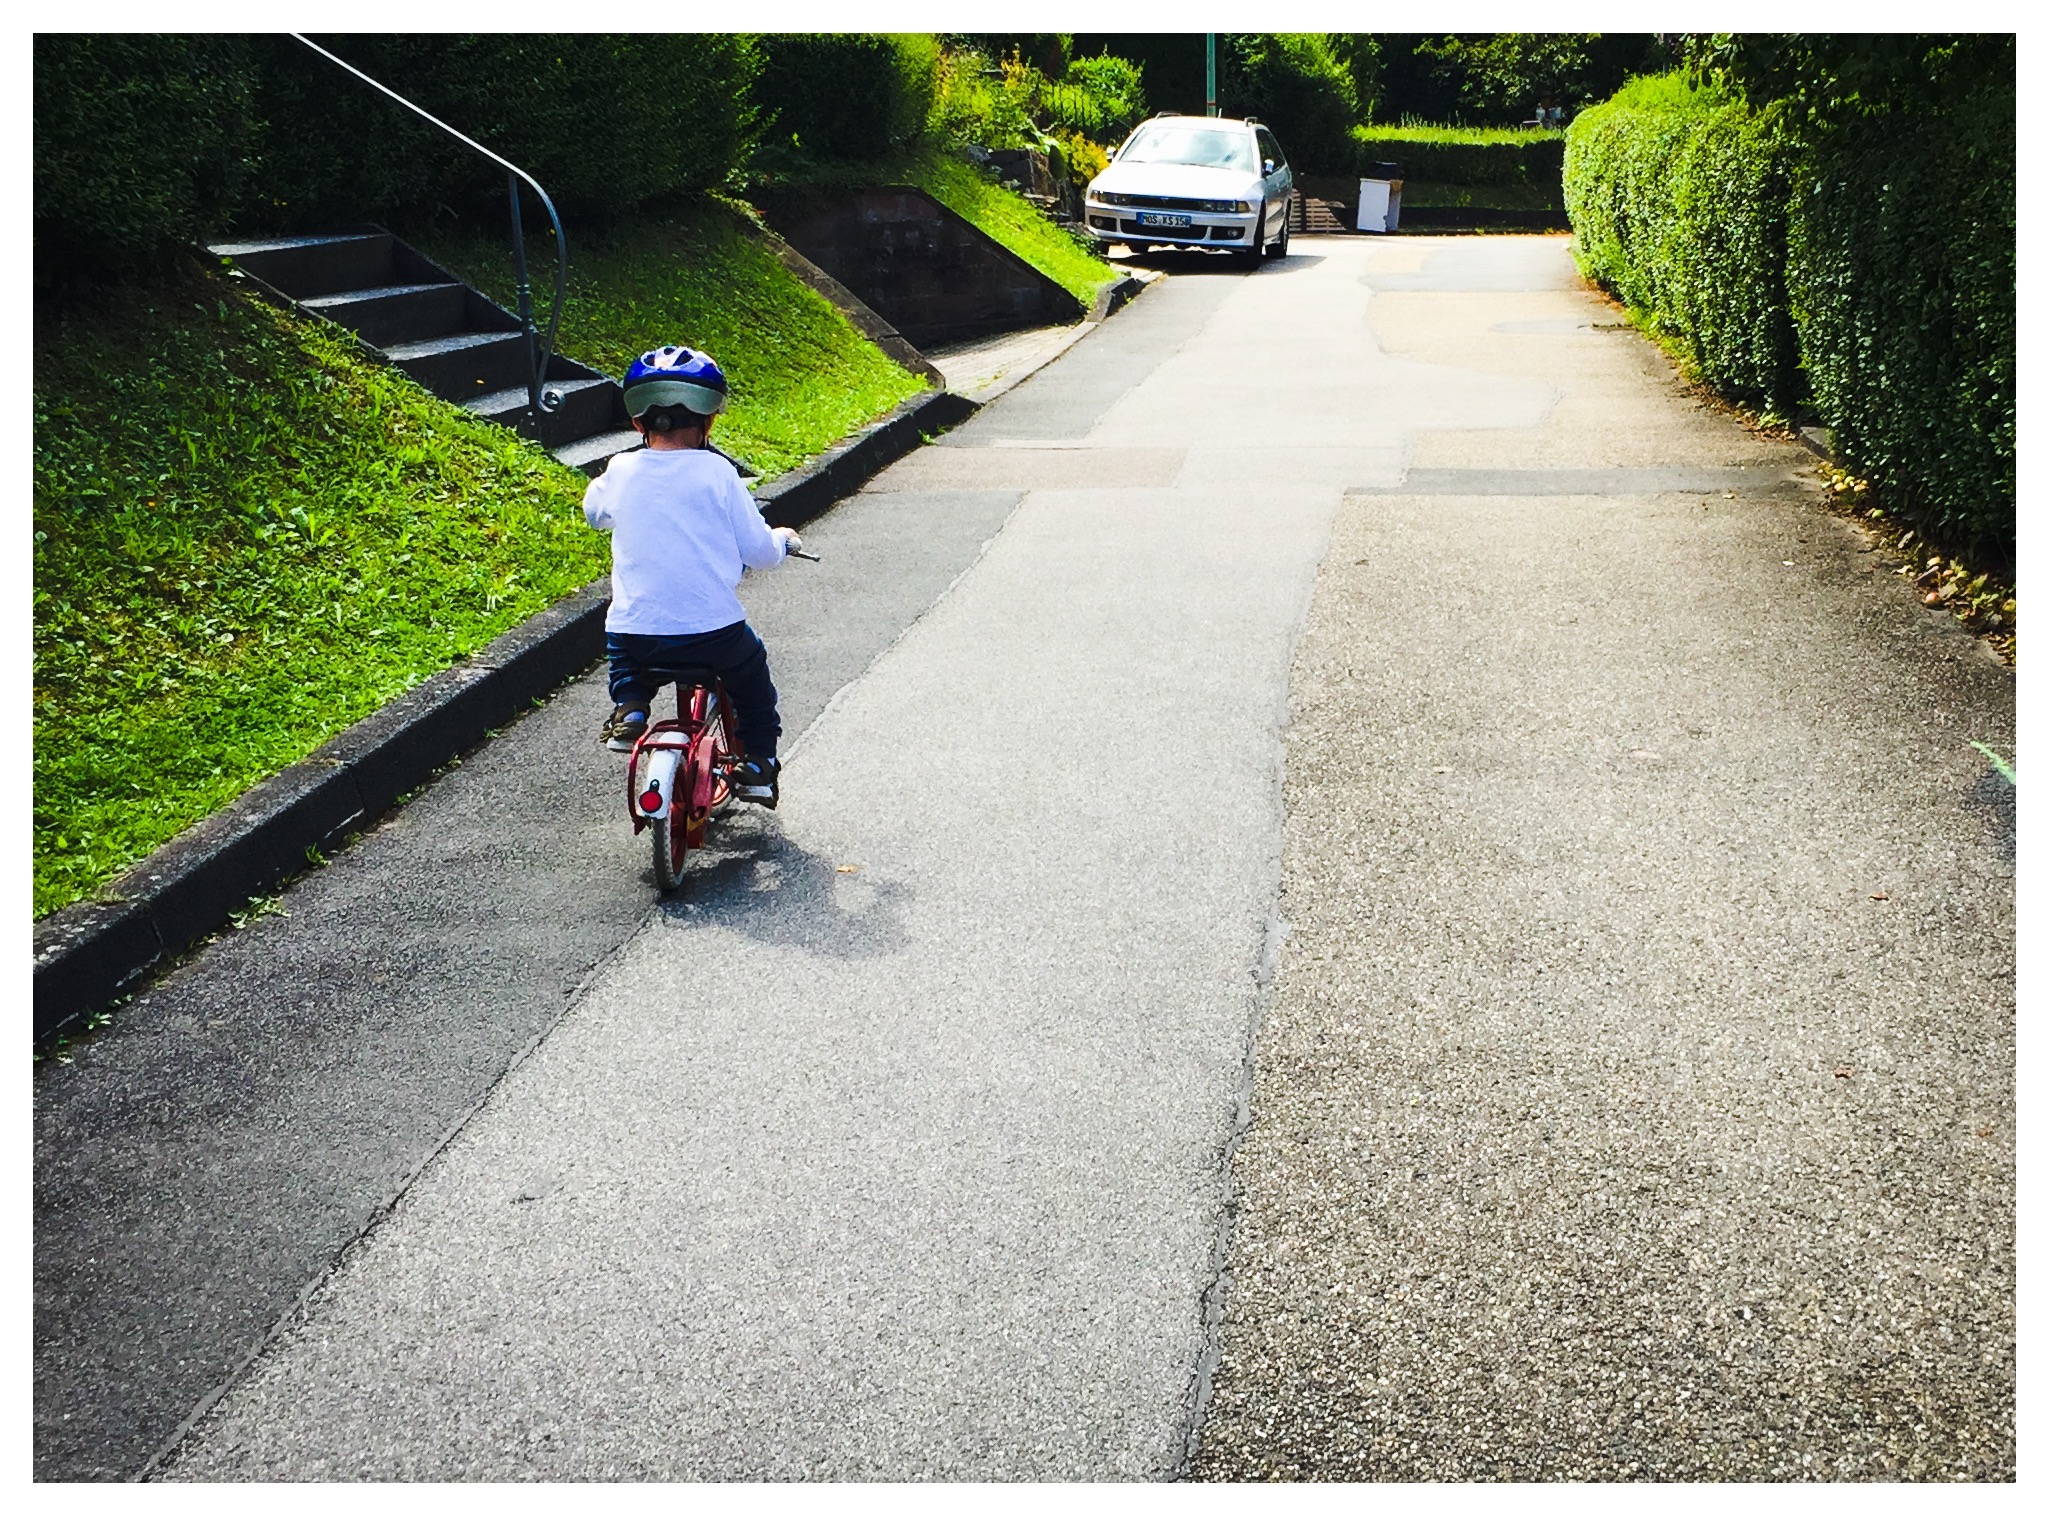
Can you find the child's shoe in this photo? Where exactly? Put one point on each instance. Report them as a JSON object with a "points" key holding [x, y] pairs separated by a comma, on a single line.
{"points": [[623, 727], [754, 781]]}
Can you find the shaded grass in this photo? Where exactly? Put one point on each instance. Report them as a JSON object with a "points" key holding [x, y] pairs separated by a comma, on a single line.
{"points": [[802, 377], [246, 538]]}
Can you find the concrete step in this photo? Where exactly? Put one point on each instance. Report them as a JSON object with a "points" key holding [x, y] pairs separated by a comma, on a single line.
{"points": [[588, 406], [394, 313], [466, 366], [303, 267], [591, 452]]}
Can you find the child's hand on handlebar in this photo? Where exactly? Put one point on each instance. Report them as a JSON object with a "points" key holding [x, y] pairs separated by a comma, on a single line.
{"points": [[792, 544]]}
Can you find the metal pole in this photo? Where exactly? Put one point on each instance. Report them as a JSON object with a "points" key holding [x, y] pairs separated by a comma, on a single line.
{"points": [[1212, 73], [525, 306]]}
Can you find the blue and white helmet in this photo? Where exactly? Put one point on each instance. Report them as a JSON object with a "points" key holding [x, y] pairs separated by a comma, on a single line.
{"points": [[674, 376]]}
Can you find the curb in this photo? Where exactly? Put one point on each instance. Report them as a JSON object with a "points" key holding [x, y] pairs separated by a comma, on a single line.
{"points": [[1112, 298], [89, 954]]}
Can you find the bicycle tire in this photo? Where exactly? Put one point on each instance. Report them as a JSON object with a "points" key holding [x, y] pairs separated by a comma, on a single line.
{"points": [[671, 848]]}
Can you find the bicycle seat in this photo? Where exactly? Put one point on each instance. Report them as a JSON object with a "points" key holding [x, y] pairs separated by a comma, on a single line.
{"points": [[685, 675]]}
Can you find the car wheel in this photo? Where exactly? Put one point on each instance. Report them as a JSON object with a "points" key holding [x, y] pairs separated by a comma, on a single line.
{"points": [[1254, 253], [1286, 234]]}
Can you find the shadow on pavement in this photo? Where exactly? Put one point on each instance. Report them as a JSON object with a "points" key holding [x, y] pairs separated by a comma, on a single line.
{"points": [[753, 879], [1997, 801], [1196, 261]]}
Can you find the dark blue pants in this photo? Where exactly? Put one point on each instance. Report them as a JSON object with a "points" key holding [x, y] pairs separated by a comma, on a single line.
{"points": [[733, 652]]}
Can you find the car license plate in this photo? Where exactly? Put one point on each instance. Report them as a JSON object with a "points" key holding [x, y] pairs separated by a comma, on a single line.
{"points": [[1159, 218]]}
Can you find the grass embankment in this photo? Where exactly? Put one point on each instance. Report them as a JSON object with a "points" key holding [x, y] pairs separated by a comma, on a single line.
{"points": [[246, 537], [802, 378], [1063, 256], [1014, 221]]}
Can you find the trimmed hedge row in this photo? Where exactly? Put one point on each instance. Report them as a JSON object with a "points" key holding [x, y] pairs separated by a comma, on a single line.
{"points": [[1532, 161], [1682, 214], [143, 140], [607, 123], [1864, 274], [846, 95], [138, 139], [1903, 273]]}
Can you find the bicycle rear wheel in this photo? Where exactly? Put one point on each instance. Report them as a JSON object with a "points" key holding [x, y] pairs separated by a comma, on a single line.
{"points": [[671, 843], [700, 788]]}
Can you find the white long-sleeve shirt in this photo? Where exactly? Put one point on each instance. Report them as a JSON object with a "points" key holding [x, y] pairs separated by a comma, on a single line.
{"points": [[682, 527]]}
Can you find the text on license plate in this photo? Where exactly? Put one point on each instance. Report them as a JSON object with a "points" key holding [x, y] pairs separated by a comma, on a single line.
{"points": [[1157, 218]]}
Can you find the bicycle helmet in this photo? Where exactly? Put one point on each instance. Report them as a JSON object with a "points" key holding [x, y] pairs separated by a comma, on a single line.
{"points": [[674, 375]]}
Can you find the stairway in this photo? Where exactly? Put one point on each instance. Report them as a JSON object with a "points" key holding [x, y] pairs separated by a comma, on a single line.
{"points": [[450, 339]]}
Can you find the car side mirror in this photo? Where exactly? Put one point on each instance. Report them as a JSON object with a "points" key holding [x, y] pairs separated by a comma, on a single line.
{"points": [[1269, 168]]}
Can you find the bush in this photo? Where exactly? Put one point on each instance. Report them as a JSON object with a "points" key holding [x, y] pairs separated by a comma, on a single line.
{"points": [[1682, 213], [1294, 83], [846, 95], [139, 140], [605, 123], [1903, 269], [1100, 98], [1864, 267]]}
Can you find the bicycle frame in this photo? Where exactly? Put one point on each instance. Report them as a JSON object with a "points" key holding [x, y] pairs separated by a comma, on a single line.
{"points": [[702, 735]]}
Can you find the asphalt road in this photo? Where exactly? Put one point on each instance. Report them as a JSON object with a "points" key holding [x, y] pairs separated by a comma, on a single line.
{"points": [[910, 1141]]}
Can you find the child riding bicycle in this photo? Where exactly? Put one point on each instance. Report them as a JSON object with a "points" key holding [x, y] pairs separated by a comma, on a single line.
{"points": [[683, 528]]}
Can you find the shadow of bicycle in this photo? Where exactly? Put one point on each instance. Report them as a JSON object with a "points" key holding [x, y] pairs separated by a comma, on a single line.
{"points": [[753, 879]]}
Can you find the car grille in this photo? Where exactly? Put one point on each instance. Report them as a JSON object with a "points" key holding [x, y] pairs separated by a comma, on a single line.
{"points": [[1173, 233], [1169, 202]]}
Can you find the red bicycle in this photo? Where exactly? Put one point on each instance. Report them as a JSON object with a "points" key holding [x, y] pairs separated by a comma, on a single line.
{"points": [[680, 773]]}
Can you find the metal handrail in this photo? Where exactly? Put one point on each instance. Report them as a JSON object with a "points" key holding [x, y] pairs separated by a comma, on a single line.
{"points": [[539, 398]]}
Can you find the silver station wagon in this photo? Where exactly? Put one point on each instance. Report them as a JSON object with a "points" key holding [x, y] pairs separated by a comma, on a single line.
{"points": [[1195, 181]]}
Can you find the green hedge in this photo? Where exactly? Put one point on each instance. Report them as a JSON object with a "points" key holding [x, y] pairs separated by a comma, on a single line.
{"points": [[1506, 158], [606, 123], [1682, 213], [846, 95], [1863, 273], [139, 139], [1903, 280], [143, 139]]}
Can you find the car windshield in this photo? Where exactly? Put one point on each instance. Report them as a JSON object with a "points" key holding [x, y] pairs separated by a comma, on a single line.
{"points": [[1203, 146]]}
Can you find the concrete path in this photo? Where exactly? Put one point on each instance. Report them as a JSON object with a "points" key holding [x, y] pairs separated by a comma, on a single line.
{"points": [[899, 1145]]}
